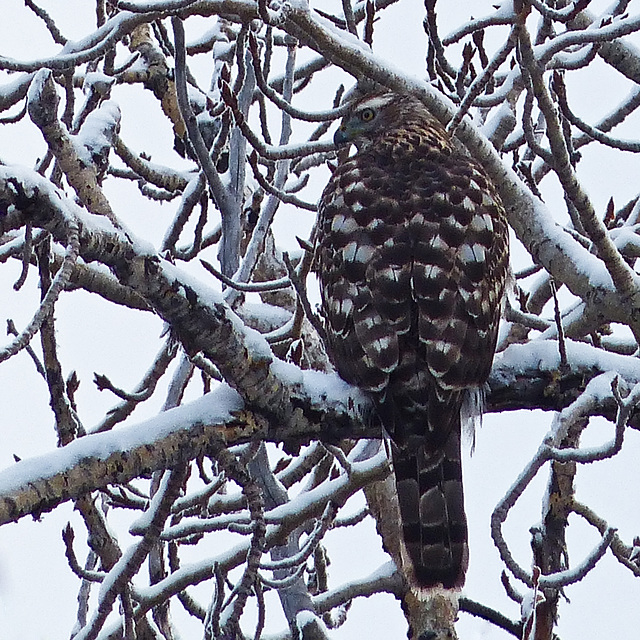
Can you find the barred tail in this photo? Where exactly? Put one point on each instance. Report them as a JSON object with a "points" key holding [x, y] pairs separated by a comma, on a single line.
{"points": [[434, 525]]}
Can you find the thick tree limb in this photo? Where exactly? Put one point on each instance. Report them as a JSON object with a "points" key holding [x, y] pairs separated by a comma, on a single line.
{"points": [[180, 435]]}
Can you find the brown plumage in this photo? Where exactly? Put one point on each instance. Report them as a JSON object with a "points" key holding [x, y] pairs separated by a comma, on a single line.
{"points": [[412, 257]]}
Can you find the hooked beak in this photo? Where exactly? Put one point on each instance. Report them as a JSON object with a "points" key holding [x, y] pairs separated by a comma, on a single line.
{"points": [[341, 136]]}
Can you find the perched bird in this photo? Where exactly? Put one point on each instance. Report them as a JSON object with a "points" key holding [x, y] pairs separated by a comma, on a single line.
{"points": [[412, 257]]}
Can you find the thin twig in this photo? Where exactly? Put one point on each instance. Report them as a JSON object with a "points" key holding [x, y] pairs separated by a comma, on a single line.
{"points": [[279, 193], [482, 80], [300, 558], [349, 17], [224, 201], [596, 134], [58, 284], [270, 152], [255, 503], [163, 177], [370, 18], [529, 320], [11, 330], [620, 550], [479, 24], [283, 583], [490, 615], [27, 249], [17, 117], [92, 576], [206, 366], [300, 288], [256, 287], [564, 363], [52, 27], [102, 383], [560, 15], [431, 27], [120, 412], [339, 455]]}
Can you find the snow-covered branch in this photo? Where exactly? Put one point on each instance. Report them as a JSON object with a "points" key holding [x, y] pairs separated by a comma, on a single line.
{"points": [[228, 151]]}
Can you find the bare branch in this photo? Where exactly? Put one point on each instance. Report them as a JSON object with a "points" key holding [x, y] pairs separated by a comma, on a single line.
{"points": [[46, 306]]}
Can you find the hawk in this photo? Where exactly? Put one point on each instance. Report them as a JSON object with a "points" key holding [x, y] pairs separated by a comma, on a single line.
{"points": [[412, 257]]}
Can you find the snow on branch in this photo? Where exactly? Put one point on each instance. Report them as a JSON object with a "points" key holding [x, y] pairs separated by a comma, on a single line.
{"points": [[42, 106], [257, 386], [198, 316], [548, 451], [76, 53], [38, 484], [565, 259], [291, 515]]}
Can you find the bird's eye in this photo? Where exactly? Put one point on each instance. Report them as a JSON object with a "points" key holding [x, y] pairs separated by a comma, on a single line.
{"points": [[367, 115]]}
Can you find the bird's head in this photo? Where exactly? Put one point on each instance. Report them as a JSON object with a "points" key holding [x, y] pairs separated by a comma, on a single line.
{"points": [[390, 116], [365, 120]]}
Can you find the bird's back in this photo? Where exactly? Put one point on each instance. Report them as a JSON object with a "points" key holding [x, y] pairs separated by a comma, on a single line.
{"points": [[412, 256]]}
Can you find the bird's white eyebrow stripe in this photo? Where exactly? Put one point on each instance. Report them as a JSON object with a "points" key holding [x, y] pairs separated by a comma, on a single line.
{"points": [[375, 103]]}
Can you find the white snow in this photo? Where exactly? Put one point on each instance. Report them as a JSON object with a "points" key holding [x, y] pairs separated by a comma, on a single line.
{"points": [[32, 183], [98, 132], [37, 84], [301, 5], [215, 407], [326, 490], [543, 355], [9, 88], [98, 82], [307, 618]]}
